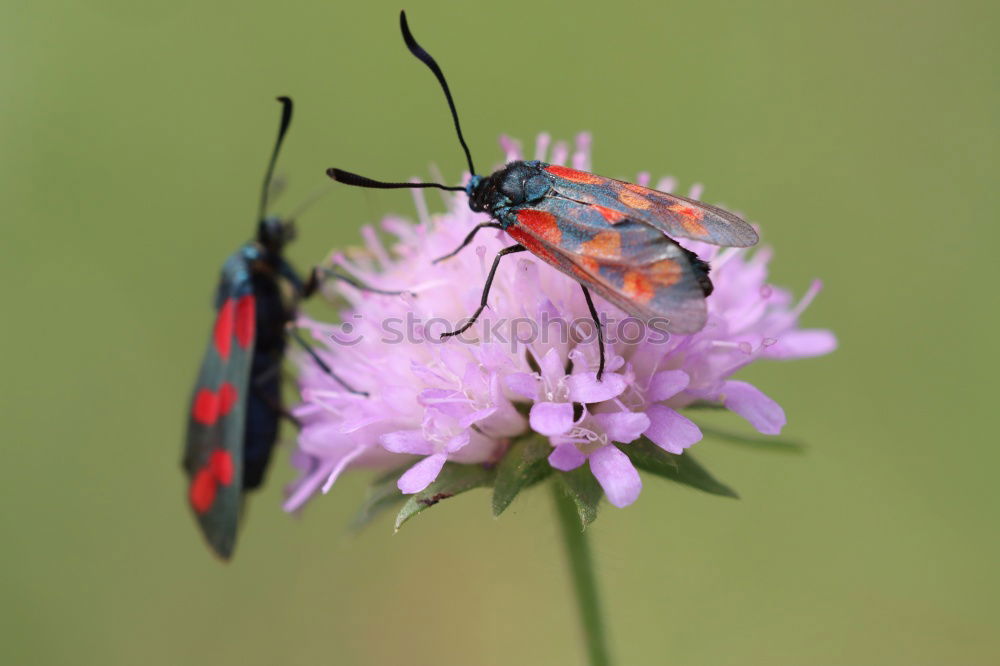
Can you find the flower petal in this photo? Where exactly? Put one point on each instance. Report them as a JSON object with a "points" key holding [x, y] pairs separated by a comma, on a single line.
{"points": [[476, 416], [623, 426], [669, 430], [523, 384], [306, 485], [406, 441], [584, 387], [506, 421], [454, 404], [667, 384], [552, 366], [339, 467], [422, 474], [551, 418], [802, 344], [750, 402], [457, 442], [455, 358], [615, 473], [566, 457]]}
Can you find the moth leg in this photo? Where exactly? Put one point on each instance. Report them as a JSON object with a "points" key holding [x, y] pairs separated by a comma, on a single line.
{"points": [[286, 271], [486, 289], [600, 332], [468, 239], [294, 332], [319, 275], [290, 417]]}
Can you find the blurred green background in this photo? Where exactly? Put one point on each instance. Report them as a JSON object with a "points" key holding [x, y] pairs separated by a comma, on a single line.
{"points": [[862, 136]]}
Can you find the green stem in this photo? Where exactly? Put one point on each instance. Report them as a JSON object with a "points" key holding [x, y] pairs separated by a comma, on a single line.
{"points": [[584, 583]]}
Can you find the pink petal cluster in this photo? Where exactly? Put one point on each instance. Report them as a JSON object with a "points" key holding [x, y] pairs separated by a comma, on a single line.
{"points": [[464, 400]]}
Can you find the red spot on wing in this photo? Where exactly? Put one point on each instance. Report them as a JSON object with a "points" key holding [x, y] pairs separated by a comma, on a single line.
{"points": [[690, 218], [630, 198], [612, 216], [574, 175], [542, 223], [206, 407], [639, 189], [687, 211], [205, 484], [533, 244], [209, 405], [203, 489], [222, 335], [666, 272], [221, 464], [227, 398], [245, 309], [638, 287], [604, 245], [589, 265]]}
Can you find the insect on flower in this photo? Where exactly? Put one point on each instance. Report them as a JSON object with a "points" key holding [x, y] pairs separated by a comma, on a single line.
{"points": [[613, 237], [236, 406]]}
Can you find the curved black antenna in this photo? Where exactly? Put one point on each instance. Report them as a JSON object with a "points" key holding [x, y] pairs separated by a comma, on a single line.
{"points": [[348, 178], [286, 120], [426, 58]]}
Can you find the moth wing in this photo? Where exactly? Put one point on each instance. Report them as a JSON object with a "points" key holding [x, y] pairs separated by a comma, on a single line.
{"points": [[628, 263], [676, 216], [213, 453]]}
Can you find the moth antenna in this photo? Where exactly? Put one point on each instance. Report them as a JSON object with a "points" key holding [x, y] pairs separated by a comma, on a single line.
{"points": [[286, 120], [309, 201], [348, 178], [425, 57]]}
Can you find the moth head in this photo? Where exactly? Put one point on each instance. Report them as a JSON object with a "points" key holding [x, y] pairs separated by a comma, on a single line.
{"points": [[274, 233]]}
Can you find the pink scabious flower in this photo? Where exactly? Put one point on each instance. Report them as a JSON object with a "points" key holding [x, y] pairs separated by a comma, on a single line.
{"points": [[520, 371]]}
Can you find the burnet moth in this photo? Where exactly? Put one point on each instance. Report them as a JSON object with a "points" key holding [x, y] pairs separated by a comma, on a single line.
{"points": [[236, 407], [613, 237]]}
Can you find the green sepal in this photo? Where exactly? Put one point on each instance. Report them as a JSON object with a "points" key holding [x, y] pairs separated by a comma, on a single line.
{"points": [[524, 464], [454, 479], [762, 442], [382, 495], [682, 468], [581, 487], [704, 404]]}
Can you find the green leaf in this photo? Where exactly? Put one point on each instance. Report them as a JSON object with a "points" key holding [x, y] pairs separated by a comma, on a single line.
{"points": [[523, 465], [382, 494], [683, 468], [581, 487], [763, 443], [453, 480]]}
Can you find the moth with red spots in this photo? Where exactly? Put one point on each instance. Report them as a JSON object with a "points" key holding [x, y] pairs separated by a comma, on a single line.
{"points": [[613, 237], [236, 407]]}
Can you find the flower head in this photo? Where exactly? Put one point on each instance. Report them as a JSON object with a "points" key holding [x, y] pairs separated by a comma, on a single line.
{"points": [[529, 366]]}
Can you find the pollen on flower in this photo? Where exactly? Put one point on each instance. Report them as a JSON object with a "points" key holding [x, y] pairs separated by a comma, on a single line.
{"points": [[430, 402]]}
